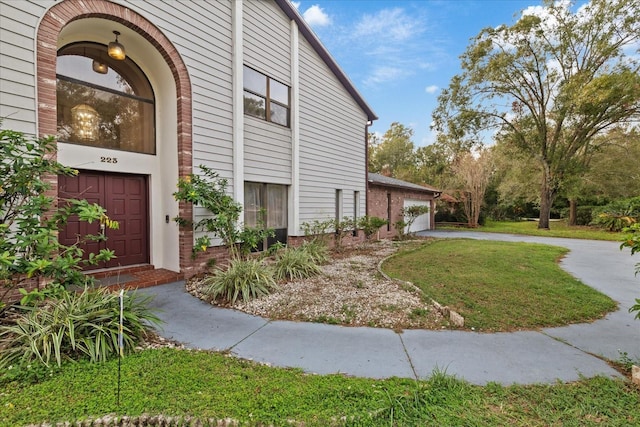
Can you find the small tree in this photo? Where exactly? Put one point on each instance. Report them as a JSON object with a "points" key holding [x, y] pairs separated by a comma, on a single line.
{"points": [[473, 173], [410, 214], [29, 220], [371, 225], [210, 192]]}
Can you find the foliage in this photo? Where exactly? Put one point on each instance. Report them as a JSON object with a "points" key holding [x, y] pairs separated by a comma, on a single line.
{"points": [[632, 241], [400, 226], [245, 278], [503, 286], [295, 263], [411, 213], [74, 326], [341, 229], [550, 84], [317, 250], [209, 191], [213, 385], [473, 172], [371, 224], [618, 214], [29, 248], [318, 230], [393, 154]]}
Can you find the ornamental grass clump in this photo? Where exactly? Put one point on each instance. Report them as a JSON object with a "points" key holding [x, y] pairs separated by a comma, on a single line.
{"points": [[75, 326], [317, 250], [244, 278], [296, 263]]}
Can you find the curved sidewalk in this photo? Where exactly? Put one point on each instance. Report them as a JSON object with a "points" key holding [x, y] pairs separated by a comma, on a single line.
{"points": [[544, 356]]}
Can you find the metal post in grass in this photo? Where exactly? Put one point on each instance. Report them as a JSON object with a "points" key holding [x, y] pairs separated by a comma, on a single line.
{"points": [[120, 341]]}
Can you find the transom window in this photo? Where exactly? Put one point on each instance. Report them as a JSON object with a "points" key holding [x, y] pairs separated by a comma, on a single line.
{"points": [[265, 98], [103, 102]]}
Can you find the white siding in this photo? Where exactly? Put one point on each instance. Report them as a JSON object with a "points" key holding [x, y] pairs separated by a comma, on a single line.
{"points": [[267, 146], [332, 140], [18, 21]]}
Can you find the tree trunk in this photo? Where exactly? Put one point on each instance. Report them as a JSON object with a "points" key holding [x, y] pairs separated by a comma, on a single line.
{"points": [[573, 211], [547, 194]]}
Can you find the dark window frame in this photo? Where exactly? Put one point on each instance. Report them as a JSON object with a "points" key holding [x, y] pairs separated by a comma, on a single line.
{"points": [[268, 100]]}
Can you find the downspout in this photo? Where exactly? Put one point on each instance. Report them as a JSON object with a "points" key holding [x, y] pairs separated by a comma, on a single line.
{"points": [[366, 160]]}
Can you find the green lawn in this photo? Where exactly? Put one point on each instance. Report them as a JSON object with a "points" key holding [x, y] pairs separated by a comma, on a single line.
{"points": [[209, 385], [557, 229], [500, 286]]}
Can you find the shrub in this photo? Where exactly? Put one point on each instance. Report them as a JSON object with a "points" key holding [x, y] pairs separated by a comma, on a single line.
{"points": [[30, 253], [209, 191], [632, 241], [618, 214], [76, 325], [295, 263], [371, 224], [245, 278]]}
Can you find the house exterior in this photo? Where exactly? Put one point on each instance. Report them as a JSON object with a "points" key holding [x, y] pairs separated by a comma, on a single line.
{"points": [[242, 87], [388, 196]]}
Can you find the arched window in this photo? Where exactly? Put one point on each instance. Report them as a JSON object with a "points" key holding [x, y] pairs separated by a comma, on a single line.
{"points": [[103, 102]]}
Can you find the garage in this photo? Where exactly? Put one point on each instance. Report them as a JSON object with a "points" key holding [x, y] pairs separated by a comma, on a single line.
{"points": [[423, 221]]}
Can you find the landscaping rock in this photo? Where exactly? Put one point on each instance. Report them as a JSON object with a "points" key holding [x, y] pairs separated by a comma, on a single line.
{"points": [[635, 374], [456, 319]]}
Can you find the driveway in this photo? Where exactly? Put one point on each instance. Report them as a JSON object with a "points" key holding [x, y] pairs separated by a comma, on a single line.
{"points": [[544, 356]]}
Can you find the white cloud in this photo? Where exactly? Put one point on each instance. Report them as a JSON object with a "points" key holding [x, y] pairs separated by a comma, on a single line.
{"points": [[296, 4], [316, 17], [431, 89], [385, 74], [388, 25]]}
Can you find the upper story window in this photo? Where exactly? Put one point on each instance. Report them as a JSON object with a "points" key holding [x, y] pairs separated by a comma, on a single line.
{"points": [[265, 97], [102, 102]]}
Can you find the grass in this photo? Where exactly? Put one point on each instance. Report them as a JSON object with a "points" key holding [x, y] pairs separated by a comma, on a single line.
{"points": [[557, 229], [210, 385], [500, 286]]}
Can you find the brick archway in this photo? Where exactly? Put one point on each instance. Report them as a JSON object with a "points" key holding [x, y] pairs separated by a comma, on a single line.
{"points": [[67, 11]]}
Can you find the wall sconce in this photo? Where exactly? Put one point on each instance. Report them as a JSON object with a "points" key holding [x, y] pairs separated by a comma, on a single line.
{"points": [[84, 120], [99, 67], [116, 50]]}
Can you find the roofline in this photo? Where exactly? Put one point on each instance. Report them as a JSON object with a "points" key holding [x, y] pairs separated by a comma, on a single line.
{"points": [[437, 193], [311, 37]]}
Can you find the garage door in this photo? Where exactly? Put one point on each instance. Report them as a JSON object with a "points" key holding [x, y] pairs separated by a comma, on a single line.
{"points": [[125, 199], [423, 222]]}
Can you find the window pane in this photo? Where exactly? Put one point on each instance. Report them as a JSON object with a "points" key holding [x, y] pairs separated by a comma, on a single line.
{"points": [[252, 202], [279, 92], [254, 105], [276, 206], [255, 81], [279, 114], [91, 116]]}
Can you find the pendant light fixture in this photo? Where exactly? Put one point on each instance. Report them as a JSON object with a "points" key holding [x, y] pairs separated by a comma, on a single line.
{"points": [[116, 50], [99, 67]]}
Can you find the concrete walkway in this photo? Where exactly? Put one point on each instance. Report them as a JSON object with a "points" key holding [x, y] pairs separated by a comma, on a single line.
{"points": [[544, 356]]}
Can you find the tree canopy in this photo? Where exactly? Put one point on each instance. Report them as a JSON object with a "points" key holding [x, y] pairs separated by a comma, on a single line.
{"points": [[550, 84]]}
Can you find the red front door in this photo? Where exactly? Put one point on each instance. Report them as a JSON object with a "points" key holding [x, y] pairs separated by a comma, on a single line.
{"points": [[125, 199]]}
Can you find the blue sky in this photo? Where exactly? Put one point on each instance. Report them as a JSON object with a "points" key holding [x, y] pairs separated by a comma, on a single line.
{"points": [[400, 54]]}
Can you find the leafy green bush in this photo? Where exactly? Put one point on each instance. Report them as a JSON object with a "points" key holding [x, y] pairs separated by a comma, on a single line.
{"points": [[618, 214], [632, 240], [371, 224], [295, 263], [210, 191], [245, 278], [30, 253], [74, 326]]}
